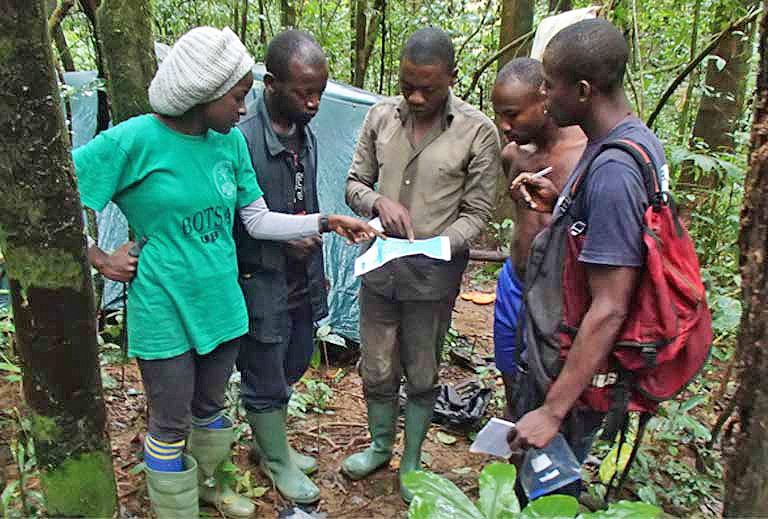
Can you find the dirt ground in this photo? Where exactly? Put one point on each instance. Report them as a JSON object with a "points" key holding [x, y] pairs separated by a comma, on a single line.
{"points": [[330, 437]]}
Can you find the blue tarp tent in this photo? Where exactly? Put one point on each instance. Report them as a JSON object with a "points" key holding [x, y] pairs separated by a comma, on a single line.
{"points": [[336, 126]]}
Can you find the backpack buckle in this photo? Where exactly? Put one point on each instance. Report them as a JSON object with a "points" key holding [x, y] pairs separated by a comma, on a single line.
{"points": [[604, 379], [577, 228]]}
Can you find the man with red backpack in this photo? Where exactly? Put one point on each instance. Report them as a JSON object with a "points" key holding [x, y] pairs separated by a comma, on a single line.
{"points": [[589, 271]]}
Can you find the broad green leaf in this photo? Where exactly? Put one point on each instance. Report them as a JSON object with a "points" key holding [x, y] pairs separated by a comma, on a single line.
{"points": [[257, 491], [697, 428], [435, 497], [551, 506], [323, 331], [692, 402], [726, 313], [608, 465], [625, 510], [497, 491], [445, 438], [8, 492], [139, 467], [7, 366], [647, 495]]}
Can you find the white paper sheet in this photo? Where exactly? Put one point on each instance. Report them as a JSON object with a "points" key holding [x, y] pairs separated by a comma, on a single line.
{"points": [[383, 251]]}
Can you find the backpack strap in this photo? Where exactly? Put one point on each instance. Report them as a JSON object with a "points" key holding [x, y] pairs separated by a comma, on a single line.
{"points": [[651, 178], [641, 424]]}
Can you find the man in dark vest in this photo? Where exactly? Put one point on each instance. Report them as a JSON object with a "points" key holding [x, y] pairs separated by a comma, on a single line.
{"points": [[283, 283], [584, 67]]}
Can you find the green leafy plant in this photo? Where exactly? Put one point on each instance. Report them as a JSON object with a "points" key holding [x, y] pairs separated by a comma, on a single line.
{"points": [[435, 497], [314, 397], [323, 336]]}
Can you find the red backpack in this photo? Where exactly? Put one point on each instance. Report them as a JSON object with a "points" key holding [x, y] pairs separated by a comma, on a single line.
{"points": [[667, 335]]}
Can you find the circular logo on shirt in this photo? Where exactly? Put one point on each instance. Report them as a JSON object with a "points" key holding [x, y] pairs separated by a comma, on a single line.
{"points": [[223, 177]]}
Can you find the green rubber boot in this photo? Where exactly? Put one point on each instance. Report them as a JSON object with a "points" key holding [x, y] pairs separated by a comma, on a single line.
{"points": [[173, 495], [418, 418], [306, 464], [276, 462], [210, 447], [382, 421]]}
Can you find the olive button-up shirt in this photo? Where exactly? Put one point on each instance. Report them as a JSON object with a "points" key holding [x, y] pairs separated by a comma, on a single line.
{"points": [[447, 182]]}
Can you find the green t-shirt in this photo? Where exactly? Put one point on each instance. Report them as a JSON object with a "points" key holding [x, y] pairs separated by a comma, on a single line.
{"points": [[181, 192]]}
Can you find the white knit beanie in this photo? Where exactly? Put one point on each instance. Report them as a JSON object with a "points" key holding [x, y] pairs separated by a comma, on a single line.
{"points": [[202, 66]]}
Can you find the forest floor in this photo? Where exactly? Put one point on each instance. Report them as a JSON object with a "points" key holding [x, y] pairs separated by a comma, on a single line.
{"points": [[339, 430]]}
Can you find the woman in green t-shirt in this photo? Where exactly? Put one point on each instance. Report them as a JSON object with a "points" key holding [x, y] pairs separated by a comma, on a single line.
{"points": [[181, 175]]}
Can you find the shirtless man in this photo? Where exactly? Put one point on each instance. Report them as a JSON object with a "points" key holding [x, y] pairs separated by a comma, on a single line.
{"points": [[535, 142]]}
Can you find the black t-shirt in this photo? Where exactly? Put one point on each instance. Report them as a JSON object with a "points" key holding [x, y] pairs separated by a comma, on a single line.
{"points": [[613, 198]]}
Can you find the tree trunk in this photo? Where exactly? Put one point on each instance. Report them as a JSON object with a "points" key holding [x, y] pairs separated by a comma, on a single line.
{"points": [[287, 14], [61, 45], [125, 31], [559, 6], [746, 492], [365, 33], [102, 114], [41, 238], [262, 25], [516, 20], [244, 22], [720, 107]]}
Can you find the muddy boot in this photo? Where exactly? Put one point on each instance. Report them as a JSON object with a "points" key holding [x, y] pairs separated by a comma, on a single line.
{"points": [[382, 416], [210, 447], [418, 418], [275, 458], [173, 495], [307, 464]]}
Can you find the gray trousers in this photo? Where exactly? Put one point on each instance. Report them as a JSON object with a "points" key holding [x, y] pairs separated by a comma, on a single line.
{"points": [[188, 385], [401, 337], [270, 369]]}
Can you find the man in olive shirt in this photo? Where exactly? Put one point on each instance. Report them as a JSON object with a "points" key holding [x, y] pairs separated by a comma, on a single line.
{"points": [[434, 160]]}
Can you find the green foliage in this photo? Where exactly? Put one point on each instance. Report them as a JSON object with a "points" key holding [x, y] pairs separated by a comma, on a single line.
{"points": [[18, 498], [674, 467], [313, 397], [323, 336], [436, 497]]}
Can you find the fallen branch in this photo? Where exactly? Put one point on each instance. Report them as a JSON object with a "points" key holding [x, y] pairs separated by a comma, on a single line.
{"points": [[698, 59], [487, 255]]}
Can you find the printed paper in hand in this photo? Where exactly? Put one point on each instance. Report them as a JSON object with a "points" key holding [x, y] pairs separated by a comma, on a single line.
{"points": [[492, 439], [383, 251]]}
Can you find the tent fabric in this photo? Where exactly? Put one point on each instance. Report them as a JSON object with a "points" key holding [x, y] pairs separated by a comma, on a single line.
{"points": [[337, 127]]}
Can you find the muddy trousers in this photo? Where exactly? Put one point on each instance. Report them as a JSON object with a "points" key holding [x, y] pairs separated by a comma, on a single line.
{"points": [[401, 337], [270, 369], [186, 387]]}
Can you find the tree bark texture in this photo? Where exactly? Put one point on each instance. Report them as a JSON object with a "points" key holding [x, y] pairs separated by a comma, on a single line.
{"points": [[516, 20], [89, 8], [366, 29], [721, 104], [287, 14], [746, 477], [41, 238], [125, 32], [559, 6]]}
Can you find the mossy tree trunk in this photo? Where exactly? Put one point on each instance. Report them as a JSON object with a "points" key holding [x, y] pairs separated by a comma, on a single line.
{"points": [[41, 238], [721, 103], [125, 33], [746, 478]]}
